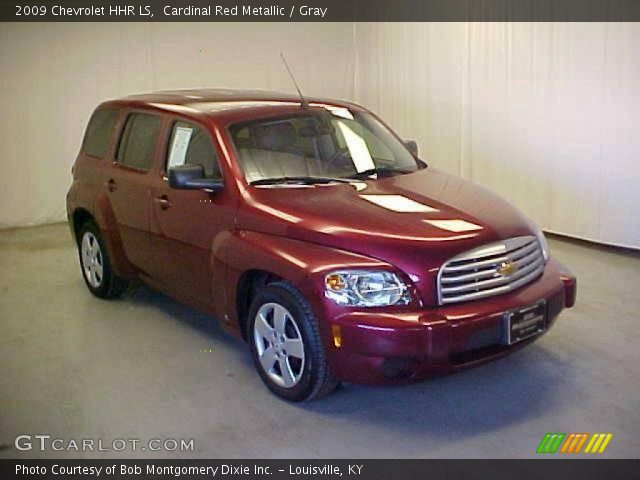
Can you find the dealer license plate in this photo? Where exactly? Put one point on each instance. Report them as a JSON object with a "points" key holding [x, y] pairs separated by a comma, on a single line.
{"points": [[524, 322]]}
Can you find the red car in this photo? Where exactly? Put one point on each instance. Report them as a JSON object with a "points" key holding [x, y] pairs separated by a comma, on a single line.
{"points": [[310, 230]]}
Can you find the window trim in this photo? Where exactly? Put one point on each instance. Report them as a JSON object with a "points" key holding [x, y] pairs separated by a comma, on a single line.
{"points": [[125, 118]]}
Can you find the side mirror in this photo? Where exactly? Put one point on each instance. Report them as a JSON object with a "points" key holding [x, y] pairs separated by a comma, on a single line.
{"points": [[191, 177], [412, 145]]}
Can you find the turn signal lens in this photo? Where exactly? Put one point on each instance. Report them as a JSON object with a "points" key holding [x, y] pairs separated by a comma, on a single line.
{"points": [[334, 282], [337, 335]]}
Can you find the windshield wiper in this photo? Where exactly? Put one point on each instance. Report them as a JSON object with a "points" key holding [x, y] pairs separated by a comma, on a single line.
{"points": [[298, 180], [380, 171]]}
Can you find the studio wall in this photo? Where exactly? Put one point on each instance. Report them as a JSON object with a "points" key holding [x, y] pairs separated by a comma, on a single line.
{"points": [[545, 114], [542, 113], [53, 75]]}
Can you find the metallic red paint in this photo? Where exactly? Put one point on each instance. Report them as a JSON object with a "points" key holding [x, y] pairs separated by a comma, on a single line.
{"points": [[199, 248]]}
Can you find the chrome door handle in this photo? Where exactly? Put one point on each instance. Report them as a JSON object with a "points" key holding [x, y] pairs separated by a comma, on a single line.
{"points": [[111, 185], [163, 201]]}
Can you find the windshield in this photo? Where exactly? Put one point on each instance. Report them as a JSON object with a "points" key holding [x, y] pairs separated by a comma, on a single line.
{"points": [[319, 144]]}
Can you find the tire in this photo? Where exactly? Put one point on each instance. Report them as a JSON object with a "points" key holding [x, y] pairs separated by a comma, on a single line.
{"points": [[302, 373], [95, 265]]}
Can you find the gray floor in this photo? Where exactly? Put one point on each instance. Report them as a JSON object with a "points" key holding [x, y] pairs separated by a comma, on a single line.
{"points": [[75, 367]]}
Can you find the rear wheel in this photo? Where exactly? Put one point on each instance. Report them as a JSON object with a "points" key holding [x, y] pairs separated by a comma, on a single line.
{"points": [[286, 345], [98, 275]]}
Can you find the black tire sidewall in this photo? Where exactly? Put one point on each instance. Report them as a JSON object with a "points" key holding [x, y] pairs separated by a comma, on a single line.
{"points": [[307, 326]]}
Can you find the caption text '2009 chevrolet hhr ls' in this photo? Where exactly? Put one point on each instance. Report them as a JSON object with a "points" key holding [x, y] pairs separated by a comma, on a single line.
{"points": [[309, 229]]}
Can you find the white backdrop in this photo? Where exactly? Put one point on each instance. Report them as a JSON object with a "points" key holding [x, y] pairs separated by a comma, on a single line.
{"points": [[545, 114], [541, 113], [53, 75]]}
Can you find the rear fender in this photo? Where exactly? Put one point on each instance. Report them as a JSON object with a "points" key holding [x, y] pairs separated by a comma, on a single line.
{"points": [[106, 220]]}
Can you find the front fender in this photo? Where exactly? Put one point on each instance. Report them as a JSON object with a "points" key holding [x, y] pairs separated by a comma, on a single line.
{"points": [[295, 261]]}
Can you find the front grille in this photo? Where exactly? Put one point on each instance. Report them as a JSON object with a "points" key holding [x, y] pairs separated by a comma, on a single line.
{"points": [[476, 274]]}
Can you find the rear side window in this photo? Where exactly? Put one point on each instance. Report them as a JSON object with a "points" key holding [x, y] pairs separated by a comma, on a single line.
{"points": [[138, 141], [191, 145], [96, 138]]}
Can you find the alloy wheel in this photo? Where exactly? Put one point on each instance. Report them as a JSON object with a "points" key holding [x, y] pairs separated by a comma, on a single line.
{"points": [[279, 345], [92, 261]]}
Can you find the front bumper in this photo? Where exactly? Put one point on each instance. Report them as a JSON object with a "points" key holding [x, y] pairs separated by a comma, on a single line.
{"points": [[385, 347]]}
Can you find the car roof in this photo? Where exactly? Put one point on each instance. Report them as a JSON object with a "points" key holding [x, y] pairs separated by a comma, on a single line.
{"points": [[223, 103]]}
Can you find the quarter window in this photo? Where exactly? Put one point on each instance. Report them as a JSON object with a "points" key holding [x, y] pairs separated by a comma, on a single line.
{"points": [[138, 141], [98, 134], [191, 145]]}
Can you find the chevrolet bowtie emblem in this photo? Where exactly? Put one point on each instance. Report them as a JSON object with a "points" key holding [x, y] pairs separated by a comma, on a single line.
{"points": [[507, 268]]}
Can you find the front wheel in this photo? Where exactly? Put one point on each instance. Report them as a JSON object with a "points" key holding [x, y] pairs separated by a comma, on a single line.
{"points": [[286, 345]]}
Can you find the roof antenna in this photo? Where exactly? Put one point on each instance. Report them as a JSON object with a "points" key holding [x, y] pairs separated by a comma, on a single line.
{"points": [[303, 101]]}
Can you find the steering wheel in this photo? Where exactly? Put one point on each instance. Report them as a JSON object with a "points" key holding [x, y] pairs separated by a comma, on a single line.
{"points": [[337, 159]]}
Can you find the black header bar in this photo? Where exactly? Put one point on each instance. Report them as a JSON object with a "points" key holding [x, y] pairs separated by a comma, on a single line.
{"points": [[547, 469], [319, 10]]}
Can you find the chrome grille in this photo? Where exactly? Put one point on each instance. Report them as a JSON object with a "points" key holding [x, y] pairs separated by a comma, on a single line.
{"points": [[476, 274]]}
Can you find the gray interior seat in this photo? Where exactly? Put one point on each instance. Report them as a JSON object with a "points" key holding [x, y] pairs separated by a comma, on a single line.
{"points": [[274, 153]]}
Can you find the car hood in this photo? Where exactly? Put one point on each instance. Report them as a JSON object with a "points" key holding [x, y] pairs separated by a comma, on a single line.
{"points": [[415, 221]]}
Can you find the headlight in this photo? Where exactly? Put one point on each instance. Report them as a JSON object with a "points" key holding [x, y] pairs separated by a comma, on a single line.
{"points": [[366, 288], [543, 244]]}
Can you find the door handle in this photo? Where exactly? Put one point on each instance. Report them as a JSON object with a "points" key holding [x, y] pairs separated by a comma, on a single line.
{"points": [[163, 201], [111, 185]]}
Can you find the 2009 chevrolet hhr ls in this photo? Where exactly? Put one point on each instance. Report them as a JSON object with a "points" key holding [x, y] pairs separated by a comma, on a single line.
{"points": [[312, 231]]}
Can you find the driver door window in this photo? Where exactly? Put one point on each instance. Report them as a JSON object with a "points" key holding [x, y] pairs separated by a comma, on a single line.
{"points": [[191, 145]]}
